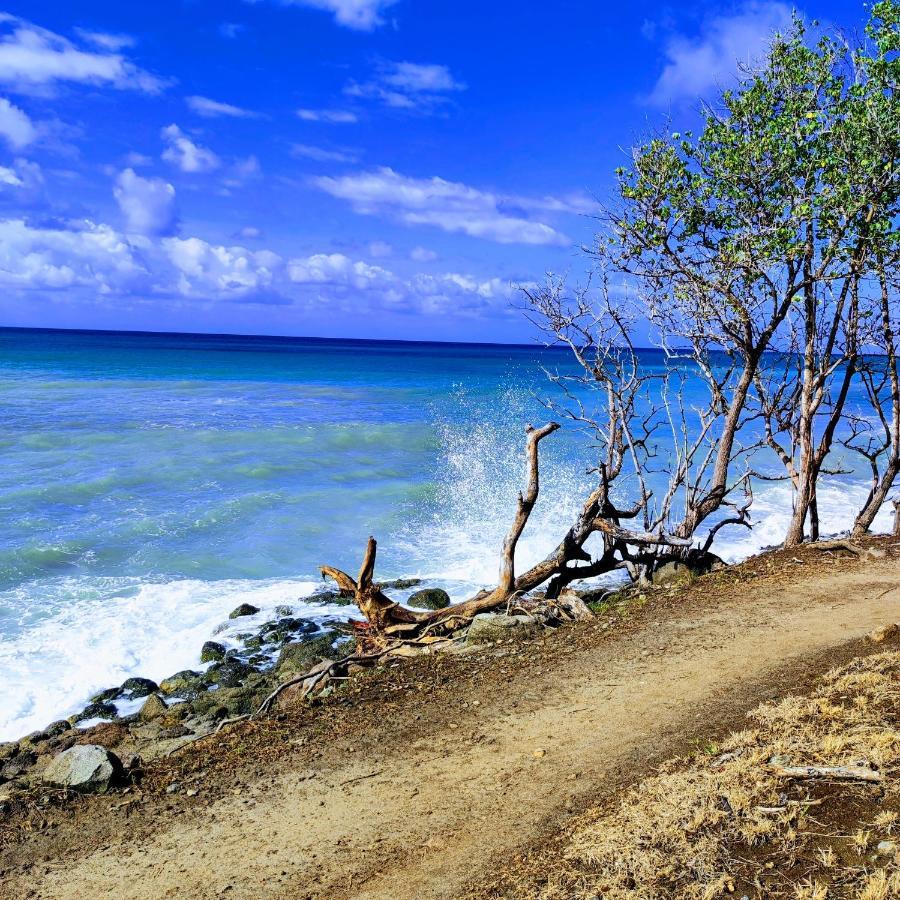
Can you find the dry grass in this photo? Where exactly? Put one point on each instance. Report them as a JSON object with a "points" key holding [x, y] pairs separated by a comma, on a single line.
{"points": [[723, 825]]}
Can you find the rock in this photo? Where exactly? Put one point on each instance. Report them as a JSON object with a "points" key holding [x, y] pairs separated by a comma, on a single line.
{"points": [[886, 848], [284, 610], [95, 711], [884, 633], [8, 750], [282, 630], [154, 708], [326, 596], [106, 696], [487, 627], [401, 584], [87, 768], [429, 598], [300, 656], [245, 609], [133, 688], [107, 734], [17, 766], [212, 651], [183, 683], [672, 573], [229, 673]]}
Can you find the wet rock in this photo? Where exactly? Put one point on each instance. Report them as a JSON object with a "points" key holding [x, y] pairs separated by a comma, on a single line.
{"points": [[95, 711], [107, 696], [212, 651], [154, 708], [86, 767], [284, 610], [245, 609], [488, 627], [401, 584], [133, 688], [326, 596], [300, 656], [429, 598], [284, 629], [229, 673], [184, 683]]}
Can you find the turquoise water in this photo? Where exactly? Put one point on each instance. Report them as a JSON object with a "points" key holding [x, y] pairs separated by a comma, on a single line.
{"points": [[150, 483]]}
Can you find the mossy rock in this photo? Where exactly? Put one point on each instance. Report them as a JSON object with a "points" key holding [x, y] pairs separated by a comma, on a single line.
{"points": [[107, 696], [154, 708], [133, 688], [229, 673], [95, 711], [212, 651], [245, 609], [185, 683], [300, 656], [429, 598], [400, 584]]}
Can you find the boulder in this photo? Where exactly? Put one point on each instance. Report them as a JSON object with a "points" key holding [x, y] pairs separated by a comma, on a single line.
{"points": [[95, 711], [185, 683], [17, 766], [107, 696], [212, 651], [300, 656], [429, 598], [284, 610], [87, 768], [488, 627], [133, 688], [229, 673], [245, 609], [154, 708]]}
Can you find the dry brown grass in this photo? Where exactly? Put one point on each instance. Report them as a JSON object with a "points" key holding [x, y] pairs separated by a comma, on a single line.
{"points": [[723, 825]]}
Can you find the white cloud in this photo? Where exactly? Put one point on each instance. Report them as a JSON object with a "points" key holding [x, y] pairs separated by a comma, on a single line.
{"points": [[32, 58], [696, 64], [406, 85], [106, 41], [148, 204], [15, 126], [212, 109], [135, 160], [320, 154], [92, 261], [422, 254], [332, 116], [249, 233], [21, 180], [84, 254], [183, 153], [448, 205], [362, 15]]}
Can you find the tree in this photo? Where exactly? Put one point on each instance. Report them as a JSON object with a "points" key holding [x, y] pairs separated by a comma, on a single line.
{"points": [[757, 234]]}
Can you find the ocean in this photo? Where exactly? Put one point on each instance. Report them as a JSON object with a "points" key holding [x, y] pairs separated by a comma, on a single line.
{"points": [[152, 482]]}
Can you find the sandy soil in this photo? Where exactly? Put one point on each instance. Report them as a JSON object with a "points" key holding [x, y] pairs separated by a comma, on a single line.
{"points": [[418, 781]]}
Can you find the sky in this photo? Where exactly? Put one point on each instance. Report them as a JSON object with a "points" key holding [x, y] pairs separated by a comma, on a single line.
{"points": [[334, 168]]}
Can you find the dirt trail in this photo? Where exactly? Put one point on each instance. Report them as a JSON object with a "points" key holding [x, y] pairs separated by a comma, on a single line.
{"points": [[424, 821]]}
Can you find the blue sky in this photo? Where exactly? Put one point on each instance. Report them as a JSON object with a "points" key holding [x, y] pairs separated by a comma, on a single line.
{"points": [[363, 168]]}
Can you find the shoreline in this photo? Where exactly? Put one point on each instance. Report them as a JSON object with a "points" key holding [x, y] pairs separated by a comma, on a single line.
{"points": [[415, 717]]}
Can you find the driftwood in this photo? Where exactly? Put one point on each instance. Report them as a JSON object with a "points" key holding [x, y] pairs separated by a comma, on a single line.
{"points": [[842, 773], [849, 547]]}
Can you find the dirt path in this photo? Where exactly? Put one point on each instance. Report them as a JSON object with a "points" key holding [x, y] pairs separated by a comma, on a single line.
{"points": [[423, 820]]}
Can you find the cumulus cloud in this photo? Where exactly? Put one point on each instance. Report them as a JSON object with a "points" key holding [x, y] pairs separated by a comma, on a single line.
{"points": [[406, 85], [331, 116], [184, 154], [694, 65], [448, 205], [362, 15], [100, 261], [33, 58], [213, 109], [15, 126], [321, 154], [148, 204]]}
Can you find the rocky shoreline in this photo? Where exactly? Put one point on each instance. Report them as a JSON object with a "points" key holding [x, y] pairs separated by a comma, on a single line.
{"points": [[106, 743]]}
